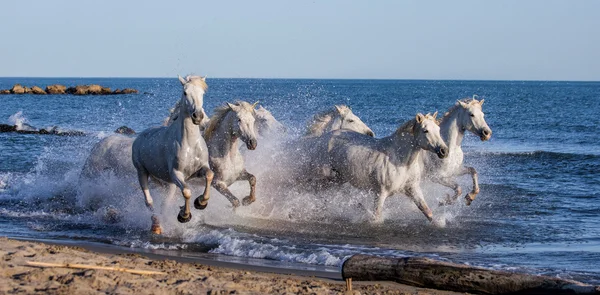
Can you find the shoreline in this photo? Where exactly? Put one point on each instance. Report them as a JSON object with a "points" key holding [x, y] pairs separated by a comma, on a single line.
{"points": [[184, 274]]}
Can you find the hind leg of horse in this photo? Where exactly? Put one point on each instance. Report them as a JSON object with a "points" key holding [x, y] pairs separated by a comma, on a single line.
{"points": [[470, 197], [222, 188], [450, 183], [202, 201], [414, 192], [252, 181], [179, 179], [378, 206], [143, 179]]}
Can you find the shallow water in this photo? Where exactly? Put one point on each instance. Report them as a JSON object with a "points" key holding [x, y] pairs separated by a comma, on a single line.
{"points": [[539, 174]]}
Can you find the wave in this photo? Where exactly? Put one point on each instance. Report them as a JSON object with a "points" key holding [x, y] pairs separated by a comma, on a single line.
{"points": [[538, 154]]}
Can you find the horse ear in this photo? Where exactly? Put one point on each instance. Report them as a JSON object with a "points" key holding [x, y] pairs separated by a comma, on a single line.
{"points": [[434, 115], [183, 81], [254, 104], [338, 109], [231, 106], [419, 118], [481, 102], [204, 78], [462, 104]]}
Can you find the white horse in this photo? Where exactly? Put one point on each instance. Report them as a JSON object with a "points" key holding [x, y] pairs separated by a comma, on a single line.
{"points": [[112, 153], [228, 124], [385, 166], [177, 152], [266, 124], [465, 115], [340, 117]]}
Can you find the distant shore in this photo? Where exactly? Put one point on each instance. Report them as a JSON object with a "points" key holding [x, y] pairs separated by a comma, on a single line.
{"points": [[180, 277], [92, 89]]}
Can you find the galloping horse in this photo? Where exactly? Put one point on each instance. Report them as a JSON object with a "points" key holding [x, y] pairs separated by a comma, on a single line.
{"points": [[177, 152], [465, 115], [230, 122], [340, 117], [385, 166]]}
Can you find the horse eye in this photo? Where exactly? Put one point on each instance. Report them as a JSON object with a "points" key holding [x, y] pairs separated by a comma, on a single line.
{"points": [[472, 115], [350, 121], [426, 131]]}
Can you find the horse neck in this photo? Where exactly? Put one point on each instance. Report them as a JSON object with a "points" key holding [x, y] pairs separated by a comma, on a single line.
{"points": [[223, 142], [186, 129], [450, 130], [401, 148]]}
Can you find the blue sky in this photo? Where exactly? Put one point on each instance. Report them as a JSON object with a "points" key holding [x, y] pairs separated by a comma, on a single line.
{"points": [[498, 40]]}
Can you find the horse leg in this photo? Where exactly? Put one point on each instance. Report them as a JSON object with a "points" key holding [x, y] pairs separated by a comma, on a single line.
{"points": [[252, 181], [378, 206], [222, 188], [178, 178], [450, 183], [201, 202], [470, 197], [414, 192], [143, 179]]}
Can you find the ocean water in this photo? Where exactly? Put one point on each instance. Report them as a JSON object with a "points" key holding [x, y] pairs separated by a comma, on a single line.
{"points": [[538, 210]]}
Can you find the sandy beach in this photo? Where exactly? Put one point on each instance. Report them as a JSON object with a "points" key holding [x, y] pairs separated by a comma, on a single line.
{"points": [[17, 277]]}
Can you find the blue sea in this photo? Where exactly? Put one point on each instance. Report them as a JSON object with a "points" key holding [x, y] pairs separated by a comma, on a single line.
{"points": [[538, 211]]}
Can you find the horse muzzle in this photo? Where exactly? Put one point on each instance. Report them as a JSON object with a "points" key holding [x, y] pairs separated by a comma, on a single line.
{"points": [[370, 133], [441, 152], [197, 117], [251, 144], [485, 134]]}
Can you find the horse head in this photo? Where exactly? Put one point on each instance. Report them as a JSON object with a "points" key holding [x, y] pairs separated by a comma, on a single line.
{"points": [[348, 120], [427, 135], [266, 123], [470, 117], [243, 123], [192, 98]]}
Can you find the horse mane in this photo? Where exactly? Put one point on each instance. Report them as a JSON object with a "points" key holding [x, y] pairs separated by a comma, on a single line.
{"points": [[219, 113], [452, 109], [320, 120], [198, 81]]}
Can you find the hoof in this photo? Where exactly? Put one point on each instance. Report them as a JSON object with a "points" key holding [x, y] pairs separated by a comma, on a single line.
{"points": [[198, 203], [470, 198], [183, 219], [248, 200], [156, 229], [235, 203]]}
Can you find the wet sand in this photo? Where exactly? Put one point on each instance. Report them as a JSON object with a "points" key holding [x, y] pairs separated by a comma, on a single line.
{"points": [[16, 277]]}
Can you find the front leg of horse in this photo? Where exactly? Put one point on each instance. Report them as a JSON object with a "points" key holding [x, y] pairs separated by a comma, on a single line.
{"points": [[470, 197], [414, 192], [252, 181], [143, 179], [450, 183], [201, 201], [179, 179], [222, 188]]}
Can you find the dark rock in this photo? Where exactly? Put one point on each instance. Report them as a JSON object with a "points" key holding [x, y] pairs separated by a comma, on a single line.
{"points": [[7, 128], [56, 89], [128, 91], [17, 89], [37, 90], [125, 130], [5, 91], [105, 91]]}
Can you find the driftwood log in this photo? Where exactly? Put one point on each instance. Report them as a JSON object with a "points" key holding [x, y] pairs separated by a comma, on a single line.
{"points": [[433, 274]]}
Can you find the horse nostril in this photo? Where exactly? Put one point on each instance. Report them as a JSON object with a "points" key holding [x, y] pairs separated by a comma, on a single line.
{"points": [[370, 133], [443, 151], [486, 132]]}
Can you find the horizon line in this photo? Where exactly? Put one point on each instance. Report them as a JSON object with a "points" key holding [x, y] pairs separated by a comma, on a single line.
{"points": [[271, 78]]}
